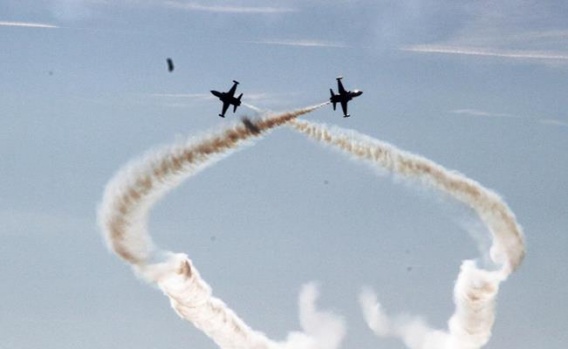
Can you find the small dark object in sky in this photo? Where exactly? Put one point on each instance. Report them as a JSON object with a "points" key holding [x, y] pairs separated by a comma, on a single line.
{"points": [[50, 73], [326, 182], [170, 65], [409, 269], [228, 98], [250, 125]]}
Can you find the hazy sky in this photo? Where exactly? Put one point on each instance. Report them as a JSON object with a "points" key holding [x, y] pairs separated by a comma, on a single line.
{"points": [[479, 87]]}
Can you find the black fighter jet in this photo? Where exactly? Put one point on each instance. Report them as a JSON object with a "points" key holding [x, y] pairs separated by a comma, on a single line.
{"points": [[343, 97], [228, 98]]}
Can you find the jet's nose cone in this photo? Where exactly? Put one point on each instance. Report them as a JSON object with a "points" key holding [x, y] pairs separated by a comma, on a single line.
{"points": [[358, 92]]}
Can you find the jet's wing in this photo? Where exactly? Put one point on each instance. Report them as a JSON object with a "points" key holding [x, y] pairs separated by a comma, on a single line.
{"points": [[340, 88], [225, 107], [344, 107], [233, 89]]}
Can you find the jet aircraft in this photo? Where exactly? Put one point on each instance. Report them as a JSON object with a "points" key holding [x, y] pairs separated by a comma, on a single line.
{"points": [[228, 98], [343, 97]]}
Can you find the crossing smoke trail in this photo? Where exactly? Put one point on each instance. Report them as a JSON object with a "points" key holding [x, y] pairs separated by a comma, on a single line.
{"points": [[132, 192], [123, 214], [476, 289]]}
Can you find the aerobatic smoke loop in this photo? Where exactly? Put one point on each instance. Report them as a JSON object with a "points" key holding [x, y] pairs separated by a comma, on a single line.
{"points": [[476, 289], [133, 191], [508, 240], [129, 196], [123, 216]]}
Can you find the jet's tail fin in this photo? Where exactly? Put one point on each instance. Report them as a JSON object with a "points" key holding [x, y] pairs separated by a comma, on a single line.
{"points": [[237, 104], [332, 98]]}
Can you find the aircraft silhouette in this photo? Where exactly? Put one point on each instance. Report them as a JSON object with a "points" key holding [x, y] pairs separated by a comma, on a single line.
{"points": [[343, 97], [228, 98]]}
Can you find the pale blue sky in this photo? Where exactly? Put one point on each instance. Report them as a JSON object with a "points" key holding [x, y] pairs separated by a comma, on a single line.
{"points": [[476, 87]]}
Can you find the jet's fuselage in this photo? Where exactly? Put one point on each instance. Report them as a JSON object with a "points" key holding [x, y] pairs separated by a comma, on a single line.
{"points": [[226, 98]]}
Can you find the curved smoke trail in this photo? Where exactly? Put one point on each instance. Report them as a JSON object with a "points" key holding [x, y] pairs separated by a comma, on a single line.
{"points": [[136, 188], [475, 289], [123, 217]]}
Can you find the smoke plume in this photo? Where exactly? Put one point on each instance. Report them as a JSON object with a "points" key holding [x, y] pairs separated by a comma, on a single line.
{"points": [[133, 191], [476, 289], [123, 216]]}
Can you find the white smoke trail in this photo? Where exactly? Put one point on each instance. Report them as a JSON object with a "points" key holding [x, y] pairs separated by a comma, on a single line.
{"points": [[135, 189], [476, 289], [123, 217], [255, 108]]}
